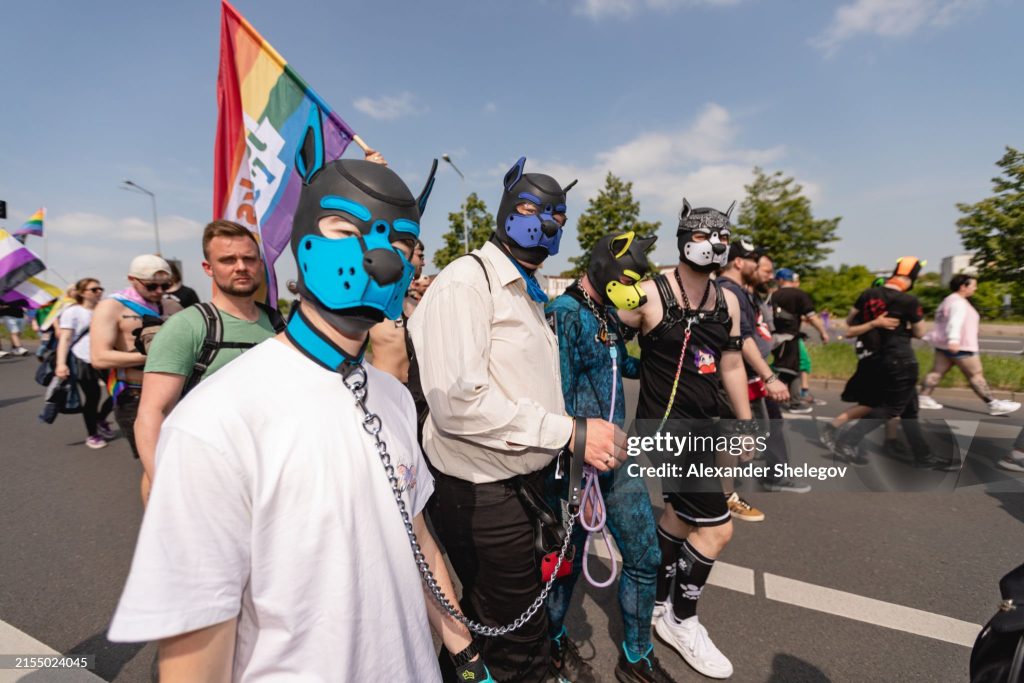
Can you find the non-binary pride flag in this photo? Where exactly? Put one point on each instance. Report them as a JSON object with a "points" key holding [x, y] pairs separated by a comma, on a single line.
{"points": [[32, 293], [34, 224], [17, 263], [263, 110]]}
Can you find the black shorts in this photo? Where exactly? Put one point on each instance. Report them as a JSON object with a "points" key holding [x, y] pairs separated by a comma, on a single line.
{"points": [[697, 502], [705, 508], [865, 386], [126, 409]]}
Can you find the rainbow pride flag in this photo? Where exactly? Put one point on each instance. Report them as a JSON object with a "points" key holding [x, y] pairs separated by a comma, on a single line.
{"points": [[34, 224], [263, 109]]}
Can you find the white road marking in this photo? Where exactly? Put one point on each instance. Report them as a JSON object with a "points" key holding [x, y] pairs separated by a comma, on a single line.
{"points": [[15, 642], [835, 602], [733, 577], [870, 611]]}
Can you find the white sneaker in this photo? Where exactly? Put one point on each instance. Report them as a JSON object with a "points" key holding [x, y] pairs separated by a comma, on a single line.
{"points": [[690, 639], [20, 351], [1013, 462], [659, 610], [928, 403], [1000, 407]]}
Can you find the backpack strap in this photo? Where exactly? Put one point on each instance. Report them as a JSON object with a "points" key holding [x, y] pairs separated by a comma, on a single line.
{"points": [[480, 261], [487, 279], [276, 321], [212, 343]]}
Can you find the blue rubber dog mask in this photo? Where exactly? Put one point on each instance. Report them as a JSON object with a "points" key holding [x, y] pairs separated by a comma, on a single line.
{"points": [[356, 281], [531, 214]]}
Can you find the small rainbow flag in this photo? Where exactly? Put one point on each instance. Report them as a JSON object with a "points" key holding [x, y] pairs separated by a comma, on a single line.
{"points": [[263, 110], [34, 224], [114, 385]]}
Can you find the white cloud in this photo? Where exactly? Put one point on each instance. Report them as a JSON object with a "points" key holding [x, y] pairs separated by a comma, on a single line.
{"points": [[702, 161], [599, 9], [131, 229], [490, 108], [388, 107], [889, 18]]}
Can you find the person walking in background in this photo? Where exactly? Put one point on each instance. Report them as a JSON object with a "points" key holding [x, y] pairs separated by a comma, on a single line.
{"points": [[13, 318], [73, 347], [955, 338], [897, 369], [792, 306], [113, 331], [1014, 462], [186, 296]]}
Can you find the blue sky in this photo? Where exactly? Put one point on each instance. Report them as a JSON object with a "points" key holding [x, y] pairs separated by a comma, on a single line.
{"points": [[888, 111]]}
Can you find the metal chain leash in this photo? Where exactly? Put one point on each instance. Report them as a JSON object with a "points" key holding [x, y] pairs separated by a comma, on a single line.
{"points": [[602, 321], [356, 383]]}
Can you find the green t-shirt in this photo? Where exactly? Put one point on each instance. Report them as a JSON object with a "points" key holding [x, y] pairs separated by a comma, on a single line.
{"points": [[176, 347]]}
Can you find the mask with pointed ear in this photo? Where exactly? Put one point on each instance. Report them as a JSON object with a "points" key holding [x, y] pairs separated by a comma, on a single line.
{"points": [[910, 268], [616, 257], [684, 212], [309, 158], [354, 281], [531, 214], [710, 252]]}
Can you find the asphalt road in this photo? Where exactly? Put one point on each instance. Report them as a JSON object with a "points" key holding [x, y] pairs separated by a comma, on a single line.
{"points": [[817, 592]]}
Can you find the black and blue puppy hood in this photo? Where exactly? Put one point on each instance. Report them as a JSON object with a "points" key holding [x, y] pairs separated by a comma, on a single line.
{"points": [[364, 277], [533, 233]]}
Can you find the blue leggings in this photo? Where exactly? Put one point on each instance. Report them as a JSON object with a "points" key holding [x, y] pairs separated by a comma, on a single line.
{"points": [[631, 523]]}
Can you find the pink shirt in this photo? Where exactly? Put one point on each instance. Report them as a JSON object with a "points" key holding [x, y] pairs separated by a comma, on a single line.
{"points": [[956, 320]]}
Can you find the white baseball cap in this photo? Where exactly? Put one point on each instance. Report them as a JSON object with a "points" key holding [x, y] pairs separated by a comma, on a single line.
{"points": [[146, 266]]}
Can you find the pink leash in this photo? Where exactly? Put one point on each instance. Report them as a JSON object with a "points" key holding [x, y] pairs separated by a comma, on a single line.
{"points": [[592, 496]]}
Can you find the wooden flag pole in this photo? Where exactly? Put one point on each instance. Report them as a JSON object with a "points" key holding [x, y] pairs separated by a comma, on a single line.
{"points": [[359, 141]]}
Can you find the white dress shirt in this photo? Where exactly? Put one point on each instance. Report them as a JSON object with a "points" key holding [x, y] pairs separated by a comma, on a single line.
{"points": [[489, 369]]}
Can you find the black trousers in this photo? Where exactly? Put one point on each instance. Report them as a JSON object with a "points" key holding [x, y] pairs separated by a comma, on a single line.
{"points": [[490, 543], [769, 414], [89, 381]]}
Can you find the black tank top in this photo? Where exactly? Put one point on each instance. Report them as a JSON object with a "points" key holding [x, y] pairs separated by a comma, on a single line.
{"points": [[699, 394]]}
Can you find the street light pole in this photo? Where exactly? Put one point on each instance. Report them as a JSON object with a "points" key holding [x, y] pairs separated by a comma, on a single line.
{"points": [[133, 187], [465, 208]]}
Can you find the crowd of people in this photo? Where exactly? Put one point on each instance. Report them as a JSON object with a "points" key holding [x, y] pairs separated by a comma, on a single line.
{"points": [[289, 467]]}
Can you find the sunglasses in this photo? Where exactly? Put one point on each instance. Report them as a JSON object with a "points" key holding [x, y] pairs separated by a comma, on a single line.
{"points": [[94, 289], [153, 286]]}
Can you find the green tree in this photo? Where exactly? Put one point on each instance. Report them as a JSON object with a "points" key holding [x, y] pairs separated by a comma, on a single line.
{"points": [[994, 227], [930, 292], [481, 225], [613, 209], [836, 290], [776, 216]]}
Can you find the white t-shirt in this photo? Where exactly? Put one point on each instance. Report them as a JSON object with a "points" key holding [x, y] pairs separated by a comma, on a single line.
{"points": [[271, 504], [77, 318]]}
